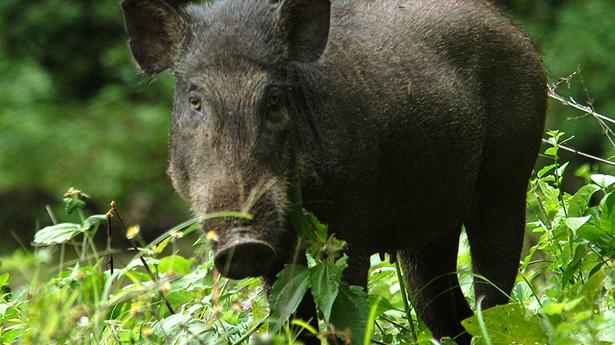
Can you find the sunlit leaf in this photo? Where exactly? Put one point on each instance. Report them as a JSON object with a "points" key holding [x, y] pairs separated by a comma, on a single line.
{"points": [[579, 201], [604, 181], [508, 324], [56, 234], [93, 221], [551, 151], [546, 170], [174, 264], [576, 222]]}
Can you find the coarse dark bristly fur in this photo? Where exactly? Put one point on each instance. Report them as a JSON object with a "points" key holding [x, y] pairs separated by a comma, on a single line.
{"points": [[400, 120]]}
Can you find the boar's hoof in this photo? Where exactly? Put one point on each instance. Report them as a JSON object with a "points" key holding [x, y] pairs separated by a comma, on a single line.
{"points": [[245, 258]]}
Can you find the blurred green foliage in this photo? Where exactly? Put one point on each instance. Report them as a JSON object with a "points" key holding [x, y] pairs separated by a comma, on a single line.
{"points": [[575, 34], [73, 112]]}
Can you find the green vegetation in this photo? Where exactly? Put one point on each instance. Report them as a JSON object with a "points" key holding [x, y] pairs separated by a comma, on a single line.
{"points": [[168, 292], [73, 112]]}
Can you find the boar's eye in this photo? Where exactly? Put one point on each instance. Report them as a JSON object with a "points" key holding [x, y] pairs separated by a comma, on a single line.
{"points": [[272, 104], [195, 103], [274, 98]]}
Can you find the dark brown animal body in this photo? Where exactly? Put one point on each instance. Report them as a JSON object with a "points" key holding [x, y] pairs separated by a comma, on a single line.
{"points": [[400, 120]]}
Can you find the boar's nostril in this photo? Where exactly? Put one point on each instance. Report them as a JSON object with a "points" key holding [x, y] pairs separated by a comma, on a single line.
{"points": [[245, 258]]}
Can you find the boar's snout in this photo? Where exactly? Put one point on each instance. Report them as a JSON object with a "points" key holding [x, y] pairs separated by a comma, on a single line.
{"points": [[244, 256]]}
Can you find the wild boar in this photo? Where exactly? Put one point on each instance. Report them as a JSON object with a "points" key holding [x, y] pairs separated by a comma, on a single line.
{"points": [[401, 121]]}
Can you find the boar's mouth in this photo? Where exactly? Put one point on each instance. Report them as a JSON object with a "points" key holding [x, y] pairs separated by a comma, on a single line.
{"points": [[242, 255]]}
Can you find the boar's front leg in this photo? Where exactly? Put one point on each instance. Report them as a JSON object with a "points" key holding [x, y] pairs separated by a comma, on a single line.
{"points": [[433, 285], [358, 266]]}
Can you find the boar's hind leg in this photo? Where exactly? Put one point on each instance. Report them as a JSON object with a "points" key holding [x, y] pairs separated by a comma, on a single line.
{"points": [[435, 291], [496, 237]]}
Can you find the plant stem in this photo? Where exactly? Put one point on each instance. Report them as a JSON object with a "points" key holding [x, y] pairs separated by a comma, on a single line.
{"points": [[404, 297], [62, 250], [481, 322], [145, 265], [532, 289]]}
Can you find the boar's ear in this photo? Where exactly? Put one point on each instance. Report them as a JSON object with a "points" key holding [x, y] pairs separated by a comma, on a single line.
{"points": [[157, 31], [303, 25]]}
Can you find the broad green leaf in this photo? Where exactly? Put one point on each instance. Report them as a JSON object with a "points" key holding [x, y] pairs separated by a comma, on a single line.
{"points": [[578, 203], [562, 169], [576, 222], [342, 263], [590, 233], [508, 324], [174, 264], [528, 258], [608, 213], [604, 181], [551, 151], [300, 223], [592, 288], [551, 197], [324, 281], [546, 170], [297, 216], [56, 234], [553, 308], [93, 221], [286, 293], [322, 231], [179, 297], [11, 335], [574, 265], [4, 279], [350, 312]]}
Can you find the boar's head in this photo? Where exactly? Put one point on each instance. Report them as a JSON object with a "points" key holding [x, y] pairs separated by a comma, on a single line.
{"points": [[240, 139]]}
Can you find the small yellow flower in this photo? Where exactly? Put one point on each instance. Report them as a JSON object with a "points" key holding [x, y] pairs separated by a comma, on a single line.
{"points": [[147, 331], [135, 309], [212, 235], [132, 232]]}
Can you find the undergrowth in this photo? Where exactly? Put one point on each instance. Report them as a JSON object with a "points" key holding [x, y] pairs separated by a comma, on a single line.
{"points": [[67, 290]]}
